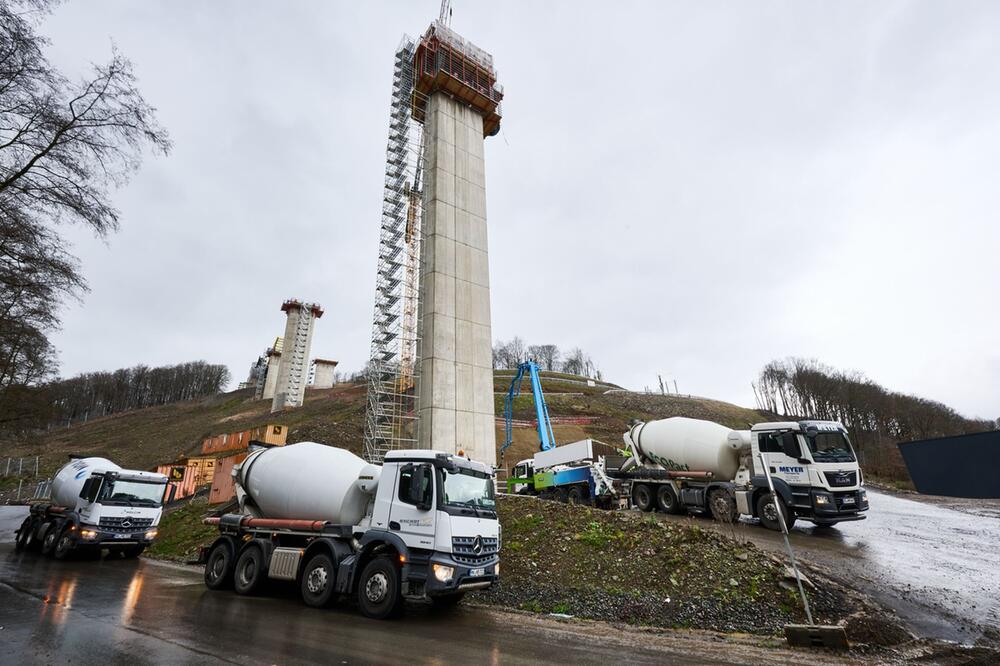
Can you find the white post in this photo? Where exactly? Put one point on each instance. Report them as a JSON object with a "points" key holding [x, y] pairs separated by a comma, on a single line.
{"points": [[20, 467], [784, 532]]}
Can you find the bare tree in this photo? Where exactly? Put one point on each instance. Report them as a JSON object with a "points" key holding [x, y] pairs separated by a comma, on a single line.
{"points": [[64, 146], [547, 356]]}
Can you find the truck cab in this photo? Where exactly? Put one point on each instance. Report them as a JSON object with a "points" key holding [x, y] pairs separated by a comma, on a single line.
{"points": [[442, 507], [92, 504], [815, 472], [120, 507]]}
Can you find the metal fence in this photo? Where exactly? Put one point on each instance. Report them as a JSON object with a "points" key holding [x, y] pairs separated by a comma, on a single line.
{"points": [[22, 467]]}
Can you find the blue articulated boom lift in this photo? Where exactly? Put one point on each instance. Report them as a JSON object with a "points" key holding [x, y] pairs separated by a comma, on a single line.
{"points": [[576, 483]]}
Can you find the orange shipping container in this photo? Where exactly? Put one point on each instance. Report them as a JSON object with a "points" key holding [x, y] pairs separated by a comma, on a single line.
{"points": [[204, 467], [182, 479], [223, 488]]}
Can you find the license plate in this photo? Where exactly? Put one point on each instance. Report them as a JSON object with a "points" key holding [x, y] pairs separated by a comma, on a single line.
{"points": [[477, 572], [849, 500], [123, 536]]}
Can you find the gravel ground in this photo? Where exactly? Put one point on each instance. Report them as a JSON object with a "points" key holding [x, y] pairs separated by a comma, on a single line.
{"points": [[628, 567]]}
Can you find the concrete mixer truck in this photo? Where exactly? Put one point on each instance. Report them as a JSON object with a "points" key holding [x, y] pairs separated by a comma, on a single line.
{"points": [[421, 526], [681, 464], [94, 504]]}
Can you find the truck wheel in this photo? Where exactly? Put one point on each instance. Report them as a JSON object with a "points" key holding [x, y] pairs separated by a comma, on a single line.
{"points": [[133, 551], [219, 567], [378, 590], [768, 514], [562, 495], [50, 539], [317, 581], [24, 534], [64, 543], [642, 497], [249, 574], [723, 506], [666, 499], [576, 496]]}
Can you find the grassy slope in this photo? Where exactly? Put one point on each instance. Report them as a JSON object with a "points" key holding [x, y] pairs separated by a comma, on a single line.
{"points": [[144, 438]]}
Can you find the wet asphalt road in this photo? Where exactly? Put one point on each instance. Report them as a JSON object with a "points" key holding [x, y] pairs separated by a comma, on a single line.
{"points": [[142, 612], [936, 566]]}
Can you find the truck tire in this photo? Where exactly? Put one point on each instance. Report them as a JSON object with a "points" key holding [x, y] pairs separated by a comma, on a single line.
{"points": [[722, 504], [562, 495], [250, 571], [378, 589], [133, 551], [642, 497], [317, 584], [666, 500], [769, 517], [24, 534], [50, 538], [64, 543], [576, 495], [219, 567]]}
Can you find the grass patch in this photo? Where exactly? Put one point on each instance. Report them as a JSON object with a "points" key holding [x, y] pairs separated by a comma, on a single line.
{"points": [[182, 533]]}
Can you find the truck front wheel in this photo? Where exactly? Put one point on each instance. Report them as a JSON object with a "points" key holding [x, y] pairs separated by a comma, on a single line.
{"points": [[219, 567], [64, 543], [769, 515], [642, 497], [317, 581], [378, 590], [249, 571]]}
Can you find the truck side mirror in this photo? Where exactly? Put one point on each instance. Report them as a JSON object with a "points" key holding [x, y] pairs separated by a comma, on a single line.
{"points": [[171, 493]]}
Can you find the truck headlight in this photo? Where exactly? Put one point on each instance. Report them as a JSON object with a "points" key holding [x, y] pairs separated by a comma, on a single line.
{"points": [[443, 573], [87, 534], [496, 569], [864, 496], [822, 500], [151, 534]]}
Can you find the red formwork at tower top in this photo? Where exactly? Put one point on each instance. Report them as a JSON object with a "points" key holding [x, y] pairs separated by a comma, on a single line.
{"points": [[446, 62]]}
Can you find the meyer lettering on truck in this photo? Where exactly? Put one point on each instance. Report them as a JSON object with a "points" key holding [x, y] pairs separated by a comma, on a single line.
{"points": [[719, 471]]}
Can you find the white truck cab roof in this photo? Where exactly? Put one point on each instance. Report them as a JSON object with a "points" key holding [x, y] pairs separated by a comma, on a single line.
{"points": [[139, 475], [431, 456], [799, 425]]}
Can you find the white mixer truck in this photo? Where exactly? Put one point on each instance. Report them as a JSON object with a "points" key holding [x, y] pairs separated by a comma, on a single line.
{"points": [[94, 504], [680, 464], [421, 526]]}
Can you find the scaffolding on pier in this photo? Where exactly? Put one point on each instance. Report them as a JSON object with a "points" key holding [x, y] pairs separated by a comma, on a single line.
{"points": [[390, 420]]}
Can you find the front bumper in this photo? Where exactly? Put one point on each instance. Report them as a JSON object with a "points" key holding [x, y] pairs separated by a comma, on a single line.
{"points": [[480, 576], [838, 505], [96, 537]]}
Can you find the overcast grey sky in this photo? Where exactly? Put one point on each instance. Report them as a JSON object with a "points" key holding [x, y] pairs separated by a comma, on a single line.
{"points": [[685, 188]]}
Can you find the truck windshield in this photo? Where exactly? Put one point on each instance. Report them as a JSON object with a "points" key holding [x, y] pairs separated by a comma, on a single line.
{"points": [[464, 488], [830, 447], [131, 492]]}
